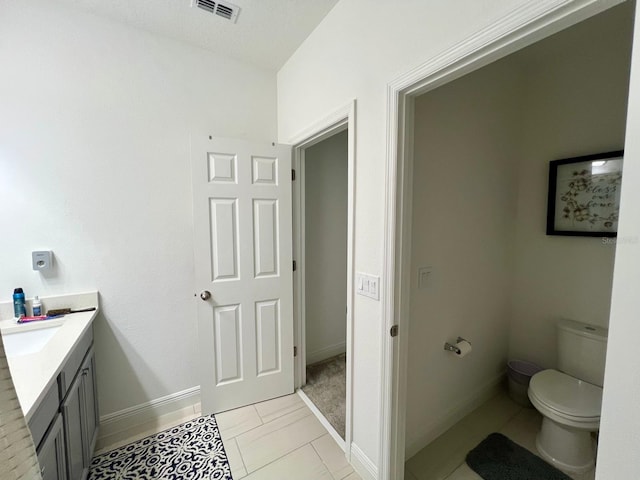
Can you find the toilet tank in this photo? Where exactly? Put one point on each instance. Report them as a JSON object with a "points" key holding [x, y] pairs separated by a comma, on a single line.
{"points": [[581, 350]]}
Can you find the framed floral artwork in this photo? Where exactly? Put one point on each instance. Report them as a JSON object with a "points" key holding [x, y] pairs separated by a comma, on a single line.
{"points": [[584, 195]]}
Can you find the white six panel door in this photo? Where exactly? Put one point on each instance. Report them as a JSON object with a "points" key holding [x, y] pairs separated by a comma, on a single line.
{"points": [[243, 254]]}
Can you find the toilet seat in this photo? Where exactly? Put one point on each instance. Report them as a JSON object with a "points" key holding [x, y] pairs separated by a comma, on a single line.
{"points": [[566, 399]]}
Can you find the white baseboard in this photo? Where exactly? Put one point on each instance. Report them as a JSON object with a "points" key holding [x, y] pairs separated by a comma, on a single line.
{"points": [[454, 414], [326, 352], [363, 464], [127, 423]]}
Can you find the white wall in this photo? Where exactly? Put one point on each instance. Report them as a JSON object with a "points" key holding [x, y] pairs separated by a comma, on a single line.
{"points": [[354, 53], [95, 120], [619, 434], [467, 136], [326, 248], [575, 96]]}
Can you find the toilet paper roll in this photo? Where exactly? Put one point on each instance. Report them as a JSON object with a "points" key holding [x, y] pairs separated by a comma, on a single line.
{"points": [[465, 349]]}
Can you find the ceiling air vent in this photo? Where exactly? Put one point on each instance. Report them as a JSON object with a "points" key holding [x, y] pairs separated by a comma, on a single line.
{"points": [[225, 10]]}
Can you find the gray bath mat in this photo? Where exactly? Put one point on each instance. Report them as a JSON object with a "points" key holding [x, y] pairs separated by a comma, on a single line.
{"points": [[498, 458]]}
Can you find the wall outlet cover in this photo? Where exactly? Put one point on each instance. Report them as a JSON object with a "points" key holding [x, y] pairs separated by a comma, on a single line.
{"points": [[42, 260]]}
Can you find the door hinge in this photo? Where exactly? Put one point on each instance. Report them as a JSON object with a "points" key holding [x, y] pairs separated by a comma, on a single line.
{"points": [[295, 266], [293, 174], [394, 331], [295, 351]]}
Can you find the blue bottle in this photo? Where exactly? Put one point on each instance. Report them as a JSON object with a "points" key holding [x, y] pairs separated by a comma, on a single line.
{"points": [[19, 306]]}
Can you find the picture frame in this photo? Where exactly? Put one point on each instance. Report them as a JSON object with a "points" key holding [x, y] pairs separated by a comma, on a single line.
{"points": [[584, 195]]}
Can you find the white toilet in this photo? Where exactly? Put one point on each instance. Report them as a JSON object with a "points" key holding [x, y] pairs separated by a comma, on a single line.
{"points": [[570, 399]]}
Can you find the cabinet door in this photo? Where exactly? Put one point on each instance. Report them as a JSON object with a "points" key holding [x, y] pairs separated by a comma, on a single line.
{"points": [[72, 413], [51, 454], [90, 419]]}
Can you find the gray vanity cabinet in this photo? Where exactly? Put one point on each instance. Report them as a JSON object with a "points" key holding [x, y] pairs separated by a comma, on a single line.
{"points": [[79, 414], [64, 427], [51, 453]]}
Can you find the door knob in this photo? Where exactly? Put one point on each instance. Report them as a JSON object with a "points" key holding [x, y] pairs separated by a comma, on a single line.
{"points": [[205, 295]]}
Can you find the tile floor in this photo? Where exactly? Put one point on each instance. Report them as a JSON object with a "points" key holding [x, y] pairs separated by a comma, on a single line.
{"points": [[279, 438], [444, 457]]}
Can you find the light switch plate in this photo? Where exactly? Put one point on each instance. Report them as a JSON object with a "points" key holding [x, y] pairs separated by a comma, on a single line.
{"points": [[368, 285]]}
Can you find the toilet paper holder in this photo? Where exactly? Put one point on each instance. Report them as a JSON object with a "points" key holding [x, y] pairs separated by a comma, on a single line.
{"points": [[452, 348]]}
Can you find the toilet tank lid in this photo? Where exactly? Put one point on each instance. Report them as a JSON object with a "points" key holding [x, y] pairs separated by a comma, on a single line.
{"points": [[590, 331]]}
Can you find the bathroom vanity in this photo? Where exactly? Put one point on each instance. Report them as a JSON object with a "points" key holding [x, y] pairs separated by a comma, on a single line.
{"points": [[52, 364]]}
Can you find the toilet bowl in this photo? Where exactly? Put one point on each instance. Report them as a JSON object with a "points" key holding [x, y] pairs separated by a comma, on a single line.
{"points": [[571, 411], [570, 398]]}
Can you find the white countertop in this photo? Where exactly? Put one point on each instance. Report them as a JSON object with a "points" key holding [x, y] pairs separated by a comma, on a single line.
{"points": [[34, 373]]}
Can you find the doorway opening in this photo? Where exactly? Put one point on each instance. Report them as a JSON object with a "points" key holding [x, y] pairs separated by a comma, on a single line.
{"points": [[324, 173], [408, 265], [323, 252], [499, 280]]}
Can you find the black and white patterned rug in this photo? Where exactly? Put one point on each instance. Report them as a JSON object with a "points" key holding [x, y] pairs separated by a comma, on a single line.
{"points": [[191, 451]]}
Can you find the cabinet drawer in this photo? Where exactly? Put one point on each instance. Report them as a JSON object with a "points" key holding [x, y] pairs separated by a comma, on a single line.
{"points": [[72, 366], [41, 419]]}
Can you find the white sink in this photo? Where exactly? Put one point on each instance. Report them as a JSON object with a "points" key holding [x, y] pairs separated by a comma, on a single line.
{"points": [[27, 342]]}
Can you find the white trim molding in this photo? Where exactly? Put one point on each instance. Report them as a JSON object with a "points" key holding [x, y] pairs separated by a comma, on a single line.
{"points": [[128, 422], [331, 124], [341, 119], [326, 352], [323, 420], [363, 464], [523, 26], [457, 412]]}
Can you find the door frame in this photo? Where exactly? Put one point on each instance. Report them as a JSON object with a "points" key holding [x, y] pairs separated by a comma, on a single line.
{"points": [[530, 23], [336, 122]]}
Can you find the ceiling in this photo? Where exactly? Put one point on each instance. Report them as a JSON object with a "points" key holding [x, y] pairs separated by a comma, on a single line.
{"points": [[266, 34]]}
